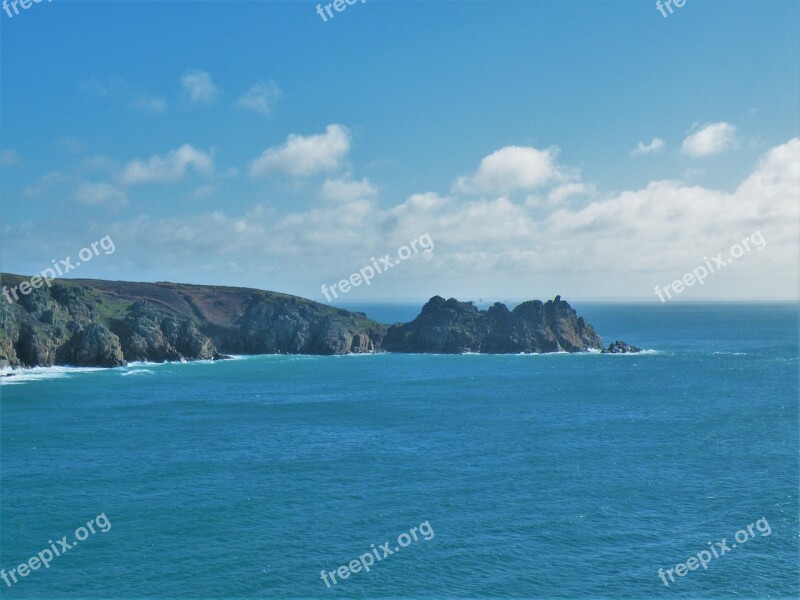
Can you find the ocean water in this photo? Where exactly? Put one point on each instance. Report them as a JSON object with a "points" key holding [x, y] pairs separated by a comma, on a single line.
{"points": [[552, 476]]}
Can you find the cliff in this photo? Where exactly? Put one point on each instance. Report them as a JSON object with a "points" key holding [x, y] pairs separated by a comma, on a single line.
{"points": [[452, 327], [106, 323], [85, 322]]}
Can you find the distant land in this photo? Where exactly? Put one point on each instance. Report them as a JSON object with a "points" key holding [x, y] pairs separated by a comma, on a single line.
{"points": [[86, 322]]}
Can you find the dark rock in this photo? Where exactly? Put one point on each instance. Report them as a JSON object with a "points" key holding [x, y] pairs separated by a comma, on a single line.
{"points": [[297, 326], [105, 323], [619, 347], [94, 346], [147, 334], [36, 346], [452, 327]]}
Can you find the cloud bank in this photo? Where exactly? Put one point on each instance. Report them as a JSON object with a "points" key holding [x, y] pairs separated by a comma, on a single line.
{"points": [[521, 225]]}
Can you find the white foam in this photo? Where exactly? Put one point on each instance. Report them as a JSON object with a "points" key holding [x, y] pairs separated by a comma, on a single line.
{"points": [[137, 372], [142, 363], [649, 352], [18, 376], [254, 356]]}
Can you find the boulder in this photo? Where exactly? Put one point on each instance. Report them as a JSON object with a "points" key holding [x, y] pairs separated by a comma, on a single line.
{"points": [[620, 347]]}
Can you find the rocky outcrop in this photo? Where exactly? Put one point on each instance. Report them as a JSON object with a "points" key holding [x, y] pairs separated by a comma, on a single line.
{"points": [[36, 346], [94, 346], [453, 327], [103, 323], [106, 323], [619, 347], [146, 334], [298, 326], [361, 344], [69, 324], [33, 330]]}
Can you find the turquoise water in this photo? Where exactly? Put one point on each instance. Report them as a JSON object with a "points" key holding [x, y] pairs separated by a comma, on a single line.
{"points": [[554, 476]]}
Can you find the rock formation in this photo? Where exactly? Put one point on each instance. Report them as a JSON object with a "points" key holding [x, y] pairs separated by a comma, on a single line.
{"points": [[107, 323], [452, 327], [621, 348]]}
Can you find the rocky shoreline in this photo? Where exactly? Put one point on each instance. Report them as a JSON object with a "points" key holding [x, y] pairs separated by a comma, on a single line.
{"points": [[94, 323]]}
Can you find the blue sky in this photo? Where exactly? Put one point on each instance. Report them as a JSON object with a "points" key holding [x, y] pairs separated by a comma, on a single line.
{"points": [[145, 121]]}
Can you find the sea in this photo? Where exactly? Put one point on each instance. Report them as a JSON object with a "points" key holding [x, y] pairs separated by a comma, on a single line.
{"points": [[667, 474]]}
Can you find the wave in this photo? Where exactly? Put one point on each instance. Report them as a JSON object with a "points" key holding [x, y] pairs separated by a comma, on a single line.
{"points": [[142, 363], [23, 375], [252, 356], [138, 372], [646, 351]]}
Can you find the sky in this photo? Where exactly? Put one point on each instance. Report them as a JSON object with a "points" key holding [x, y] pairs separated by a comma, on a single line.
{"points": [[593, 149]]}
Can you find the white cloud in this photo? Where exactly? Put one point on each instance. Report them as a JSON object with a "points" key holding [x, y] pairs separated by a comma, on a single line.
{"points": [[148, 103], [609, 245], [204, 191], [302, 156], [711, 139], [169, 167], [653, 147], [46, 183], [512, 168], [657, 233], [260, 98], [620, 245], [95, 194], [199, 87], [564, 192], [346, 189], [10, 158]]}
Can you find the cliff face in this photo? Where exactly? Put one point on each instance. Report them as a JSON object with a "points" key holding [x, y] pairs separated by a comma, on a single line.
{"points": [[297, 326], [69, 324], [107, 323], [103, 323], [145, 334], [56, 326], [452, 327]]}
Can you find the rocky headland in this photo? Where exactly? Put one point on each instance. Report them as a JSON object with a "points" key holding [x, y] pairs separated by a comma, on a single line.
{"points": [[108, 323], [453, 327]]}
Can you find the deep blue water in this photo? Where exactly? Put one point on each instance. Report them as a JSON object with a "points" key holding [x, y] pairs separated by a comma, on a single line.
{"points": [[554, 476]]}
